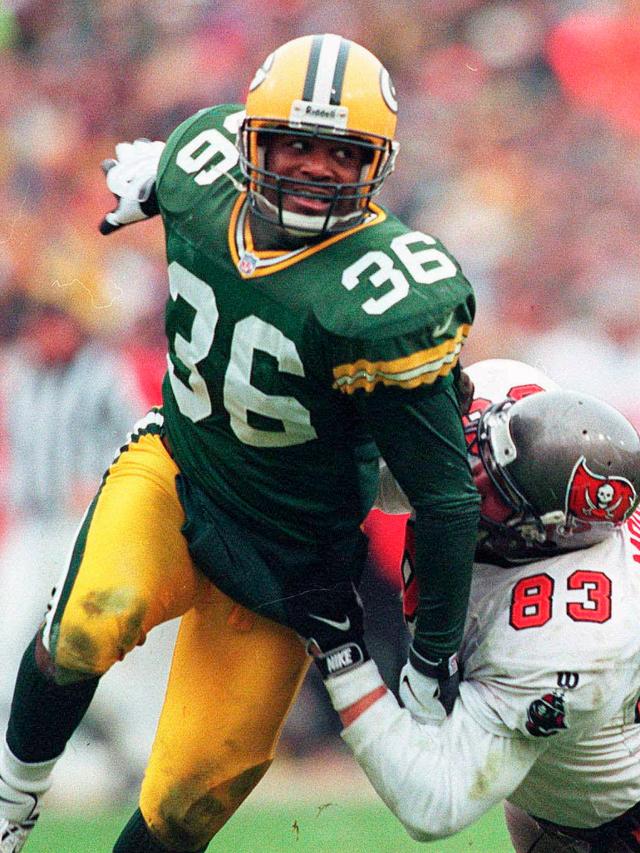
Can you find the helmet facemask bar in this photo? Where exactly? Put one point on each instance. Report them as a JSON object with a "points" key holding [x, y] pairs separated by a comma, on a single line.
{"points": [[524, 529], [378, 165]]}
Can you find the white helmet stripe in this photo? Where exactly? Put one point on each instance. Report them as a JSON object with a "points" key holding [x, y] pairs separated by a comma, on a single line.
{"points": [[341, 67], [326, 69]]}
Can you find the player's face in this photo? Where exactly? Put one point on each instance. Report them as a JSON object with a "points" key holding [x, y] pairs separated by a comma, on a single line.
{"points": [[491, 504], [317, 160]]}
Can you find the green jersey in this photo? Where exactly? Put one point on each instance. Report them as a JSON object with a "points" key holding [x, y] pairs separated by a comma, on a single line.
{"points": [[284, 365], [268, 351]]}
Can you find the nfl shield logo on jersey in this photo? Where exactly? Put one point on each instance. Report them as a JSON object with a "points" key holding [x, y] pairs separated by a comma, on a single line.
{"points": [[247, 264], [546, 715]]}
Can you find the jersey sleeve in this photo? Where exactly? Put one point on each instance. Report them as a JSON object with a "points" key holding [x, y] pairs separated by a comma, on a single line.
{"points": [[197, 152], [437, 779], [403, 311], [419, 434], [407, 357]]}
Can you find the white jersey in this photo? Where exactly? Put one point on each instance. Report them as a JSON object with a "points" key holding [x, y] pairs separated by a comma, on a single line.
{"points": [[548, 714], [551, 653]]}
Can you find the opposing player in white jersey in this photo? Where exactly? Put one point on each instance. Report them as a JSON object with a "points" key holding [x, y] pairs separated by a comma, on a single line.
{"points": [[548, 715]]}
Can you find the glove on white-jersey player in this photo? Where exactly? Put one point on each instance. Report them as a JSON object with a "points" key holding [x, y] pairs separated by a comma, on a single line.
{"points": [[547, 715]]}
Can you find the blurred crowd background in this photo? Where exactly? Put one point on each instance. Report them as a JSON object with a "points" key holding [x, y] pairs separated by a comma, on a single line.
{"points": [[519, 127]]}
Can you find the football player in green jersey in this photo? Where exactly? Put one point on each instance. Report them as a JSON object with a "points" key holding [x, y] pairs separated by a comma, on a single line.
{"points": [[309, 331]]}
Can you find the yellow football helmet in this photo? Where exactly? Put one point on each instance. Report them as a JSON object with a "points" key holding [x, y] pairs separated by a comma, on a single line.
{"points": [[328, 87]]}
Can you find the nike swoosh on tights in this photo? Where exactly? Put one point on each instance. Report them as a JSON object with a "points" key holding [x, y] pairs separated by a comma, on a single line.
{"points": [[340, 626]]}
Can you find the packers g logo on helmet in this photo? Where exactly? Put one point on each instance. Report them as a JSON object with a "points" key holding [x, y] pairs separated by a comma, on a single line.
{"points": [[329, 87]]}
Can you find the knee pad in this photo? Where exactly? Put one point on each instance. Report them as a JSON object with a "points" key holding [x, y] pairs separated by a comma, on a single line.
{"points": [[95, 632], [190, 813], [53, 673]]}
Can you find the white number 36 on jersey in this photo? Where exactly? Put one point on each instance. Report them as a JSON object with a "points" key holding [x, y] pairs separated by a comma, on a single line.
{"points": [[424, 265]]}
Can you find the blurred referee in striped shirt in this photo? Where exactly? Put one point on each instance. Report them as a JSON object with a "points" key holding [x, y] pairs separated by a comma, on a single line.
{"points": [[66, 405]]}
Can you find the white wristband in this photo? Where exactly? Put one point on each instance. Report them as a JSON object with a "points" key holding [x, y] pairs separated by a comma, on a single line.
{"points": [[346, 689]]}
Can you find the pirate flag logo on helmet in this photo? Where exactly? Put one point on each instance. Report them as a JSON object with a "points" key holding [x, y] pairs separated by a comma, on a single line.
{"points": [[594, 498]]}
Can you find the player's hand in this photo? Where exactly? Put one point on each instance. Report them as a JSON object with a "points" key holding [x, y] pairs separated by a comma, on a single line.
{"points": [[131, 178], [330, 620], [429, 689]]}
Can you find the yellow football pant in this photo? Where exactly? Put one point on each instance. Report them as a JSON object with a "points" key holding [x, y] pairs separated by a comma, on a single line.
{"points": [[234, 674]]}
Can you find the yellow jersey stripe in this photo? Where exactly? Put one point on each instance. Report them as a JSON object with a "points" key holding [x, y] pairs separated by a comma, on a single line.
{"points": [[419, 368]]}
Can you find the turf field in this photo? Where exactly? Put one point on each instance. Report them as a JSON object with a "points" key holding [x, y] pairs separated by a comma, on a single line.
{"points": [[272, 828], [322, 804]]}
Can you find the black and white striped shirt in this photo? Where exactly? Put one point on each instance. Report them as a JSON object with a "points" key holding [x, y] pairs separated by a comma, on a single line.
{"points": [[61, 426]]}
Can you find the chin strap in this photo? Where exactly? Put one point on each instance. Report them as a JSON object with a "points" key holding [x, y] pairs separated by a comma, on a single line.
{"points": [[301, 224]]}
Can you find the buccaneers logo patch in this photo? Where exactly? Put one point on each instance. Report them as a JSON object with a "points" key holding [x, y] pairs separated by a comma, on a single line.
{"points": [[545, 716], [594, 498]]}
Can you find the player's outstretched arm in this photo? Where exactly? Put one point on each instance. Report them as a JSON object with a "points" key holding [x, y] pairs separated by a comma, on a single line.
{"points": [[131, 178], [419, 434], [435, 779]]}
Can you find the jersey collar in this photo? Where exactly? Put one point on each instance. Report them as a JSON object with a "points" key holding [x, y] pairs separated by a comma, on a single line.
{"points": [[251, 262]]}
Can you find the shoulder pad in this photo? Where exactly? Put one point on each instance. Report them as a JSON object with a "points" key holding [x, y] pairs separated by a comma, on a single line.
{"points": [[198, 152], [404, 314]]}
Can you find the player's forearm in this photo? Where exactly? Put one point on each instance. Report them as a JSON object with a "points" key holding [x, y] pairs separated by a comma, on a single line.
{"points": [[441, 542], [435, 779], [445, 546], [422, 442]]}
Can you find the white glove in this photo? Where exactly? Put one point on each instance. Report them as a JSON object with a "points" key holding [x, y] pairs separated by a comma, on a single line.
{"points": [[131, 178], [429, 698]]}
